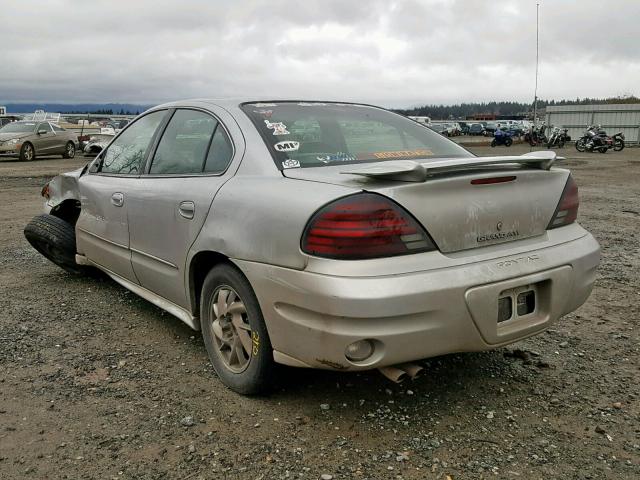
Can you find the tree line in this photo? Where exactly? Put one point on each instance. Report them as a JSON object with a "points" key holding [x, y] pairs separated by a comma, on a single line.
{"points": [[462, 110]]}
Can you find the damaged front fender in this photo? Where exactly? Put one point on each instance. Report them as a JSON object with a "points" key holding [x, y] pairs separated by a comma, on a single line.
{"points": [[61, 188]]}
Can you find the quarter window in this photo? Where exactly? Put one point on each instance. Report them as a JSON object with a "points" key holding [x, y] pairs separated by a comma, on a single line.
{"points": [[220, 152], [184, 144], [126, 154]]}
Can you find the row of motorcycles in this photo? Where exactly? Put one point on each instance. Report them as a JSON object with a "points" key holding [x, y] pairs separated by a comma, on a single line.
{"points": [[593, 139], [597, 139]]}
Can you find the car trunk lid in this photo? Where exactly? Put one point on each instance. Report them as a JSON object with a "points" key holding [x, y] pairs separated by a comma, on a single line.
{"points": [[463, 203]]}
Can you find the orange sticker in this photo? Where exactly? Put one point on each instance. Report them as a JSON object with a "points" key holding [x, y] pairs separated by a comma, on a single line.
{"points": [[404, 153]]}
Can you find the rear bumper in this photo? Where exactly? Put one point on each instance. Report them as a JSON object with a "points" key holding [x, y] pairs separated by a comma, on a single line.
{"points": [[312, 317]]}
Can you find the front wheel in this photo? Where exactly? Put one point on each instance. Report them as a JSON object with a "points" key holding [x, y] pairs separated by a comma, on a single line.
{"points": [[27, 152], [580, 145], [69, 150], [561, 144], [234, 332], [618, 145], [55, 239], [508, 142]]}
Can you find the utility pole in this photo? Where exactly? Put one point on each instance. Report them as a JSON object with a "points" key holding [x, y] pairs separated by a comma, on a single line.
{"points": [[535, 92]]}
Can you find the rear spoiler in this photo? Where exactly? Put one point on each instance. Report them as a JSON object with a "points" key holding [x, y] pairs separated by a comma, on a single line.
{"points": [[414, 171]]}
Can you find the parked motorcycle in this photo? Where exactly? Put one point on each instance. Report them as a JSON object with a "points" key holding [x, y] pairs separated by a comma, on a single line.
{"points": [[536, 135], [558, 137], [502, 137], [594, 138]]}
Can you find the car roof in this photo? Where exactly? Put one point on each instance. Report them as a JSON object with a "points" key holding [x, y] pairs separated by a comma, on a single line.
{"points": [[233, 102]]}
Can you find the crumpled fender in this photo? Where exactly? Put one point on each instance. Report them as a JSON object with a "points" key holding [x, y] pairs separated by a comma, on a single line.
{"points": [[64, 187]]}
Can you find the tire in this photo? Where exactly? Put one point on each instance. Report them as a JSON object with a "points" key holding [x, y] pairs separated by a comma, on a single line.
{"points": [[69, 150], [580, 146], [493, 142], [55, 239], [227, 335], [27, 152], [618, 145], [561, 144], [508, 142]]}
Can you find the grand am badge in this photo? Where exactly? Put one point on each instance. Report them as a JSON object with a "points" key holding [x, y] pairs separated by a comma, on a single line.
{"points": [[288, 146], [291, 163], [278, 128]]}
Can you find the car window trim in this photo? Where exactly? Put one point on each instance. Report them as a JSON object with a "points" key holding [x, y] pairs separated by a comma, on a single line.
{"points": [[100, 156], [202, 173]]}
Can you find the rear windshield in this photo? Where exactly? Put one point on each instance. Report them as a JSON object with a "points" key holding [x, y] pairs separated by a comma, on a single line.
{"points": [[301, 135]]}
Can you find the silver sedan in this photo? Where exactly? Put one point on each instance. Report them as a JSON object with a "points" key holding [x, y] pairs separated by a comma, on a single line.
{"points": [[322, 235]]}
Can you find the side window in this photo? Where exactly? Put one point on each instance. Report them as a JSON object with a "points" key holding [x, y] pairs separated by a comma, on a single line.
{"points": [[56, 128], [44, 126], [184, 143], [220, 152], [126, 154]]}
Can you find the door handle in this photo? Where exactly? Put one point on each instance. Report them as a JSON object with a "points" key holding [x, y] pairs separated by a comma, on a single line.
{"points": [[117, 199], [187, 209]]}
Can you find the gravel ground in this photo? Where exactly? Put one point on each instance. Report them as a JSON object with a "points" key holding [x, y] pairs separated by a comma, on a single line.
{"points": [[98, 383]]}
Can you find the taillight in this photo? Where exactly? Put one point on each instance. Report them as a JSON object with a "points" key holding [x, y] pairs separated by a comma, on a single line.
{"points": [[364, 225], [567, 209]]}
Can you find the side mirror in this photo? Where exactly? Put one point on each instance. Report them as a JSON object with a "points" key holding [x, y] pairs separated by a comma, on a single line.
{"points": [[42, 132]]}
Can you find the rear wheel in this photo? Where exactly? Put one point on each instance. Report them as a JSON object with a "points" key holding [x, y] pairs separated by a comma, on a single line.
{"points": [[508, 142], [69, 150], [55, 239], [27, 153], [234, 332], [493, 142]]}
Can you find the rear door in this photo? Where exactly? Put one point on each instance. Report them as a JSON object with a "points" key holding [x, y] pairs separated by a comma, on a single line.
{"points": [[172, 200], [102, 230]]}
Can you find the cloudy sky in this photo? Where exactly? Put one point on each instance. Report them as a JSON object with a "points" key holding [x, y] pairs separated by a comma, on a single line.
{"points": [[394, 53]]}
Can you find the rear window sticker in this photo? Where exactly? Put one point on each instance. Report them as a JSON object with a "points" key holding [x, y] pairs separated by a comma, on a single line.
{"points": [[278, 128], [291, 163], [404, 153], [287, 146]]}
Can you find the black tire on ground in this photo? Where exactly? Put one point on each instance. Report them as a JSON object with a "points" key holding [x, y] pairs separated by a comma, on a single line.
{"points": [[69, 150], [493, 142], [580, 146], [27, 152], [561, 144], [508, 142], [55, 239], [258, 376], [618, 145]]}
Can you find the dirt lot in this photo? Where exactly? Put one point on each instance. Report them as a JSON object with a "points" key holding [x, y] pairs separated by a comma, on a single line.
{"points": [[97, 383]]}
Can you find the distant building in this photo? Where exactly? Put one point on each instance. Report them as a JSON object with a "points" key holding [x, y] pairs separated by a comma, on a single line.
{"points": [[613, 118]]}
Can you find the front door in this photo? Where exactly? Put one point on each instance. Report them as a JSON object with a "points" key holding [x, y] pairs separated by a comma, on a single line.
{"points": [[102, 230], [171, 202], [45, 141]]}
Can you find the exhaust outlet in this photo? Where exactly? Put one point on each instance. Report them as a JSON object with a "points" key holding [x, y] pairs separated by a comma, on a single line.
{"points": [[411, 369], [394, 374]]}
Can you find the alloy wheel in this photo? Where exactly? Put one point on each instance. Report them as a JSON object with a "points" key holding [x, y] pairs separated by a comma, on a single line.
{"points": [[231, 329]]}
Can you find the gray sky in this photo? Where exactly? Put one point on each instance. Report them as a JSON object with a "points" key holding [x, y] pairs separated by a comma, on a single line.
{"points": [[393, 53]]}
